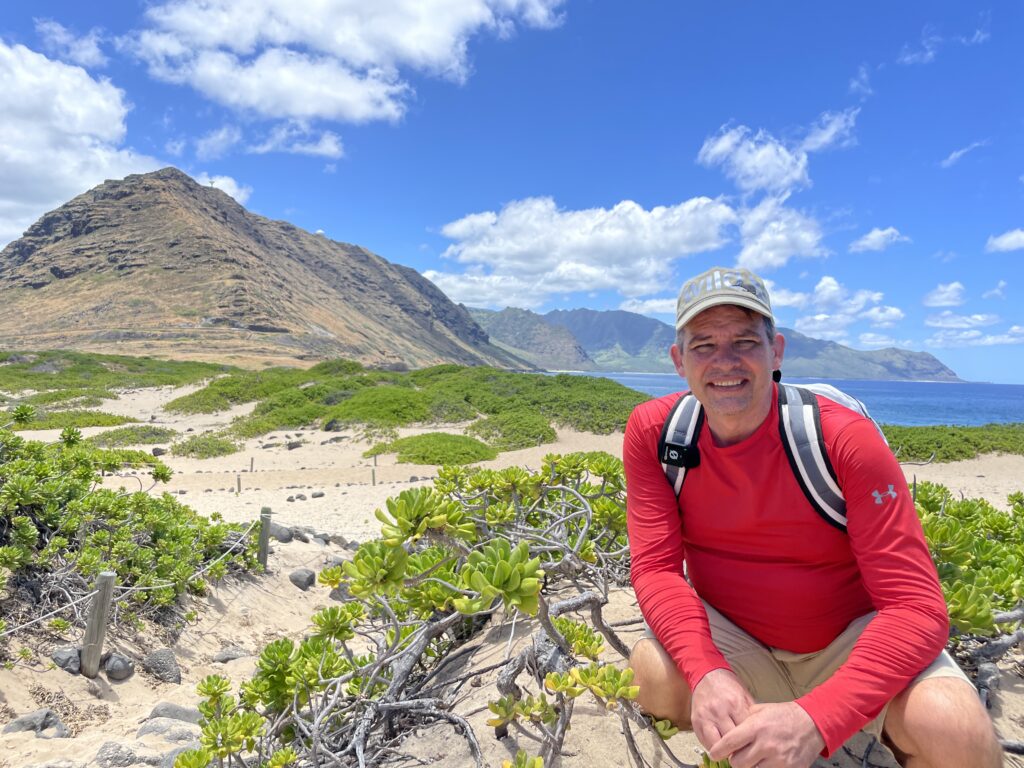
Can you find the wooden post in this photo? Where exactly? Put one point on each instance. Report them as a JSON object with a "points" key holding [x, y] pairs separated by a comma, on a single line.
{"points": [[96, 630], [238, 480], [252, 460], [373, 477], [375, 459], [264, 549]]}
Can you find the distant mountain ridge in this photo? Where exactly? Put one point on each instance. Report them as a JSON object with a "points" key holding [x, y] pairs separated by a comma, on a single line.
{"points": [[616, 340], [156, 264]]}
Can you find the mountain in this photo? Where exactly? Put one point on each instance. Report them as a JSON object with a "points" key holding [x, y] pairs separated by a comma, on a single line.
{"points": [[159, 265], [529, 336], [625, 341]]}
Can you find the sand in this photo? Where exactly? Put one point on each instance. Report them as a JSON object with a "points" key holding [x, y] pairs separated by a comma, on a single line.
{"points": [[251, 612]]}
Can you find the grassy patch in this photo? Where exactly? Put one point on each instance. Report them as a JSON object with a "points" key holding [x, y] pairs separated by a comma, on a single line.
{"points": [[238, 388], [512, 430], [142, 434], [63, 370], [954, 443], [205, 446], [383, 406], [436, 448], [78, 397], [62, 419]]}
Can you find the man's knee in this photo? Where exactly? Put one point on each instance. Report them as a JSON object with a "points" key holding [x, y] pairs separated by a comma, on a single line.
{"points": [[663, 691], [942, 722]]}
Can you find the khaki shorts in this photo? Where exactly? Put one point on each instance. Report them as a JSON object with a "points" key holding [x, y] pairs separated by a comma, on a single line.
{"points": [[773, 675]]}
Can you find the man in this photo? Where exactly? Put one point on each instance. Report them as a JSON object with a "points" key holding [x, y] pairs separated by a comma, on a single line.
{"points": [[785, 635]]}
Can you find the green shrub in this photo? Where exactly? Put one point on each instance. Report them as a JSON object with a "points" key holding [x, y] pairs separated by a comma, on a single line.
{"points": [[62, 370], [952, 443], [78, 397], [237, 388], [512, 430], [436, 448], [384, 406], [205, 446], [78, 419], [143, 434], [335, 368]]}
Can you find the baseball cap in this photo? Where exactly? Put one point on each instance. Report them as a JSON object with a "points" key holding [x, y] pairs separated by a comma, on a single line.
{"points": [[722, 285]]}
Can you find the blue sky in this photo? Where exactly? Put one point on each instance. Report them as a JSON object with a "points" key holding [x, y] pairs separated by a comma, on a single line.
{"points": [[867, 159]]}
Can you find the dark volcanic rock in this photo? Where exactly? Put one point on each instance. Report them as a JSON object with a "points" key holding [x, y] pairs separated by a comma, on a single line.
{"points": [[119, 667], [44, 722], [163, 665]]}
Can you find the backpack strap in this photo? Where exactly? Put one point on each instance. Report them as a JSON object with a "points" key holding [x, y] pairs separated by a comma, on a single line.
{"points": [[677, 447], [800, 429]]}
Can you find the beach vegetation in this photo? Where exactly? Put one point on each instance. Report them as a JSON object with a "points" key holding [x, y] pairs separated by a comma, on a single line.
{"points": [[205, 446], [437, 448], [512, 430], [54, 419], [139, 434], [954, 443]]}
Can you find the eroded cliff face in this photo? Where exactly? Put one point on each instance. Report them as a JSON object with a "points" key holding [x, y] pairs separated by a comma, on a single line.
{"points": [[157, 264]]}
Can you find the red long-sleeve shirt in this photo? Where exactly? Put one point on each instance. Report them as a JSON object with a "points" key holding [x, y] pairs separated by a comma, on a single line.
{"points": [[758, 552]]}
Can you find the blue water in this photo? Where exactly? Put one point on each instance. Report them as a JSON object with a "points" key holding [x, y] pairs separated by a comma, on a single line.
{"points": [[913, 403]]}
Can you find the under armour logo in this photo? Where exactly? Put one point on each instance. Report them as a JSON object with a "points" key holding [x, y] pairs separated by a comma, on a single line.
{"points": [[879, 494]]}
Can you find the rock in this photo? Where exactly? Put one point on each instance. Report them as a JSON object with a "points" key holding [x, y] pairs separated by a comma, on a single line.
{"points": [[230, 653], [67, 658], [414, 479], [114, 755], [159, 451], [317, 494], [318, 540], [300, 534], [290, 498], [339, 540], [269, 445], [293, 444], [352, 545], [169, 729], [167, 761], [171, 711], [163, 666], [300, 497], [44, 722], [303, 578], [280, 532], [119, 667], [340, 593]]}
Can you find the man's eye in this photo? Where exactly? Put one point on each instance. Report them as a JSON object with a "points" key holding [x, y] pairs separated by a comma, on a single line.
{"points": [[702, 348]]}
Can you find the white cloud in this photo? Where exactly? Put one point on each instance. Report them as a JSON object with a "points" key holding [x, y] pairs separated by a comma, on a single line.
{"points": [[878, 240], [999, 292], [63, 44], [759, 161], [772, 234], [824, 326], [925, 54], [532, 246], [982, 34], [332, 59], [882, 317], [650, 306], [755, 161], [946, 295], [225, 184], [833, 129], [829, 293], [782, 297], [216, 143], [860, 83], [954, 157], [62, 133], [1008, 241], [975, 338], [175, 147], [296, 138], [878, 340], [949, 319]]}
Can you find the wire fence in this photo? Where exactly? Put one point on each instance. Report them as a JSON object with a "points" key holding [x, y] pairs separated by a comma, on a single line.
{"points": [[120, 592]]}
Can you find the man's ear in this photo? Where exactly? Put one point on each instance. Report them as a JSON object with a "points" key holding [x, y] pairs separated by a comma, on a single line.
{"points": [[778, 348], [677, 359]]}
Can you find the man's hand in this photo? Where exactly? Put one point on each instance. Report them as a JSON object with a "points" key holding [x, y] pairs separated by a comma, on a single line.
{"points": [[771, 736], [719, 703]]}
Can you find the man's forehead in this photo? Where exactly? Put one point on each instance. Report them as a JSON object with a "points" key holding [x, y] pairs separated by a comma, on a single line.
{"points": [[738, 319]]}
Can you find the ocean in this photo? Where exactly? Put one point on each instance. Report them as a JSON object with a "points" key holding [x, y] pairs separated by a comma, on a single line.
{"points": [[911, 403]]}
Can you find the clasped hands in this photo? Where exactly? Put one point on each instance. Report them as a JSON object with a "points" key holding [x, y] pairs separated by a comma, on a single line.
{"points": [[730, 725]]}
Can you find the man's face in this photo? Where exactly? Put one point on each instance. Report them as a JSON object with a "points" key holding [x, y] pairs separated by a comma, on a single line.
{"points": [[728, 360]]}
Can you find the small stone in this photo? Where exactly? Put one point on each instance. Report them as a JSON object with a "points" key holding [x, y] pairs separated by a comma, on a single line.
{"points": [[169, 710], [303, 578], [67, 658], [290, 498], [119, 667], [163, 666], [414, 479], [293, 444], [230, 653], [159, 451], [44, 722], [280, 532], [300, 534], [170, 729], [114, 755], [340, 593], [300, 497], [317, 494], [269, 445]]}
